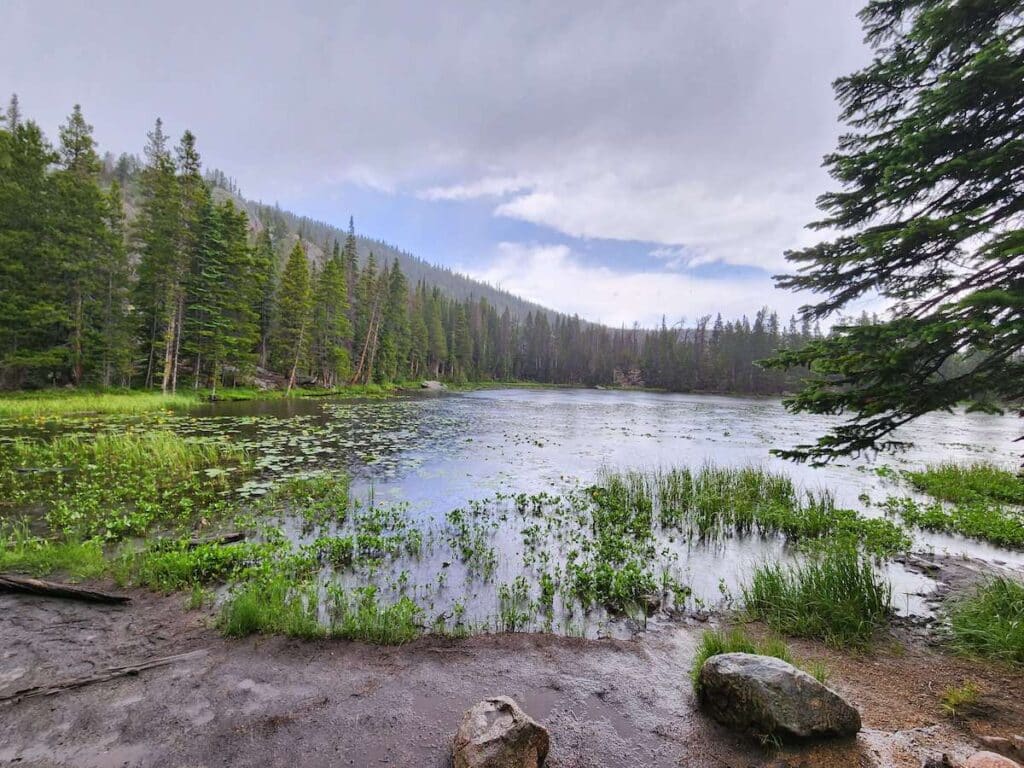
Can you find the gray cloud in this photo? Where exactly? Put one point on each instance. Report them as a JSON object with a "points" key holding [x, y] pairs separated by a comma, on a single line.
{"points": [[692, 122]]}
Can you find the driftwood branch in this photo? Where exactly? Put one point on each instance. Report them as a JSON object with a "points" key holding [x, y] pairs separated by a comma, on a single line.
{"points": [[24, 584], [110, 674]]}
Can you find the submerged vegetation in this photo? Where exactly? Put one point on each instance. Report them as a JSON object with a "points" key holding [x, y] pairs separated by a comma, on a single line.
{"points": [[980, 501]]}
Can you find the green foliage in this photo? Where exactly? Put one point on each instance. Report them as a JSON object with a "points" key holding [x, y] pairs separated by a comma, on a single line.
{"points": [[57, 403], [273, 605], [928, 217], [291, 335], [956, 699], [734, 640], [977, 519], [117, 485], [963, 484], [358, 615], [21, 552], [990, 622], [714, 502], [177, 566], [835, 595]]}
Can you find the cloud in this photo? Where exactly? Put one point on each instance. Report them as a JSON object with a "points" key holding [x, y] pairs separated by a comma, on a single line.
{"points": [[689, 125], [553, 275]]}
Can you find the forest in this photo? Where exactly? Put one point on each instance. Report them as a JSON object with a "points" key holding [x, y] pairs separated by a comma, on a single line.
{"points": [[129, 272]]}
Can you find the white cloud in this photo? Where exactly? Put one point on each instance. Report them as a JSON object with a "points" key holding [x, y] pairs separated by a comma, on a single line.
{"points": [[553, 275], [488, 186]]}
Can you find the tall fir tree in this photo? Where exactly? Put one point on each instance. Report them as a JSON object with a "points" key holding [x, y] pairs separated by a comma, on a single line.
{"points": [[293, 313]]}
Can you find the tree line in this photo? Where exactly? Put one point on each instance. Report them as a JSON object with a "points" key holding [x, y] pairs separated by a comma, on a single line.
{"points": [[189, 291]]}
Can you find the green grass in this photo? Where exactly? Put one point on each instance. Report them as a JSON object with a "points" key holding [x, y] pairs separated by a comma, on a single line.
{"points": [[715, 502], [20, 552], [358, 615], [990, 622], [113, 486], [835, 596], [61, 402], [965, 484], [978, 519], [956, 699], [168, 568], [272, 606]]}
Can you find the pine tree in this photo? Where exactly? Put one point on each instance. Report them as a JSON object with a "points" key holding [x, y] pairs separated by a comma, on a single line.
{"points": [[293, 310], [81, 239], [331, 329], [929, 217], [265, 273], [114, 340], [32, 315], [157, 234]]}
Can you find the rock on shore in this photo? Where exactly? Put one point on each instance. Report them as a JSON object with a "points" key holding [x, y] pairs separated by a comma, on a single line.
{"points": [[496, 733], [765, 696]]}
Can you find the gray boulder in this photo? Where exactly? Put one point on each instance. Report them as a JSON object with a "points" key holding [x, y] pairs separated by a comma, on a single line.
{"points": [[496, 733], [764, 696], [432, 385]]}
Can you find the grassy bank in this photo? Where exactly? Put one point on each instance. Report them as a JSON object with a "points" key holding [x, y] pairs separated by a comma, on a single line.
{"points": [[990, 622], [835, 596]]}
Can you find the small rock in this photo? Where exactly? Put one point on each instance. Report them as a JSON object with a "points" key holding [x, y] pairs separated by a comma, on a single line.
{"points": [[765, 696], [496, 733], [937, 762], [990, 760]]}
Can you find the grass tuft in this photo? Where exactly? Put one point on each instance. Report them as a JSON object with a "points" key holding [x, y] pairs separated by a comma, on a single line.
{"points": [[990, 622], [835, 596]]}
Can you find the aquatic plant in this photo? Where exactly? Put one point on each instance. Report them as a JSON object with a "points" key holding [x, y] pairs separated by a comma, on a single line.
{"points": [[58, 403], [274, 605], [22, 552], [963, 484], [358, 615], [976, 519], [990, 621], [117, 485], [834, 595]]}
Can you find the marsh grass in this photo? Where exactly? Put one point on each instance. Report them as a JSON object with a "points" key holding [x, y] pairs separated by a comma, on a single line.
{"points": [[990, 622], [21, 552], [964, 484], [977, 519], [58, 403], [274, 605], [835, 595], [116, 485], [359, 615], [715, 502]]}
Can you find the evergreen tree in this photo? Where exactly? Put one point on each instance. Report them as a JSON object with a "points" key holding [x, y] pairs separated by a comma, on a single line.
{"points": [[929, 217], [157, 235], [293, 315], [331, 328]]}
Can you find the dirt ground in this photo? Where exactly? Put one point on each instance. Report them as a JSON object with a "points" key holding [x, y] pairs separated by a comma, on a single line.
{"points": [[280, 702]]}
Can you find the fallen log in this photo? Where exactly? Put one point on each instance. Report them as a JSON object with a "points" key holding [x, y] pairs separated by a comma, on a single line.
{"points": [[225, 538], [111, 674], [24, 584]]}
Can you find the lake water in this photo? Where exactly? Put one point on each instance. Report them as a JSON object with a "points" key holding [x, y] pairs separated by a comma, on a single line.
{"points": [[433, 453], [441, 452]]}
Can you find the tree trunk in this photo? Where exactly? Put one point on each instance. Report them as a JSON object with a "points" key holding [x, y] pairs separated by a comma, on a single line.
{"points": [[11, 583]]}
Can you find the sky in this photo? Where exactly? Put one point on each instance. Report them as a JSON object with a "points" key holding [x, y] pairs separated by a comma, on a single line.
{"points": [[620, 160]]}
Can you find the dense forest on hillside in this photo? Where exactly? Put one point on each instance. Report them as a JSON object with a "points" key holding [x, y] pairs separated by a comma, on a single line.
{"points": [[118, 271]]}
